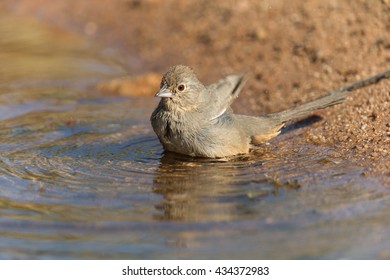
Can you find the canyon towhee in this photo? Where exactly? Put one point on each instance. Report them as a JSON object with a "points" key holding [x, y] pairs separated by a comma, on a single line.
{"points": [[197, 120]]}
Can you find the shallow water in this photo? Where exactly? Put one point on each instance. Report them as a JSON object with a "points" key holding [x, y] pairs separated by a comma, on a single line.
{"points": [[82, 175]]}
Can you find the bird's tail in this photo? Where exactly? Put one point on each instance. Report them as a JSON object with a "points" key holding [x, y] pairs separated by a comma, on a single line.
{"points": [[263, 128], [333, 97]]}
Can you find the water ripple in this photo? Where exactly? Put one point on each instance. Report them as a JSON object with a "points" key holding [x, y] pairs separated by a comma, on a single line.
{"points": [[100, 162]]}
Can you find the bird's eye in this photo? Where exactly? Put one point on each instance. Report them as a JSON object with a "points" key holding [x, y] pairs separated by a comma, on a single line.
{"points": [[181, 87]]}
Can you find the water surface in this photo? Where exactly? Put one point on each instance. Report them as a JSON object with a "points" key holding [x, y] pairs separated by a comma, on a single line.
{"points": [[82, 175]]}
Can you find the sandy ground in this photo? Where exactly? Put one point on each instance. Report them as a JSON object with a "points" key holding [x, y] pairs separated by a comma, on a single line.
{"points": [[292, 51]]}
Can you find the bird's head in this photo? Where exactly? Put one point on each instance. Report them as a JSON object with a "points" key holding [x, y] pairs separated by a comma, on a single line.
{"points": [[180, 86]]}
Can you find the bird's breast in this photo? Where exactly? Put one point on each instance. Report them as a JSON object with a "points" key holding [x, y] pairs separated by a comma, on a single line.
{"points": [[177, 132]]}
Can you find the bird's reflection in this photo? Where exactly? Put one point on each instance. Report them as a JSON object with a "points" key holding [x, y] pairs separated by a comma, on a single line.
{"points": [[221, 189], [208, 190]]}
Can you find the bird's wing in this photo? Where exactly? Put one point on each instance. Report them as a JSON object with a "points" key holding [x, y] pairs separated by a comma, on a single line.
{"points": [[222, 94]]}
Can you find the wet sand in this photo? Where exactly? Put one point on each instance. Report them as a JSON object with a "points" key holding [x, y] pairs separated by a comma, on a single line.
{"points": [[292, 52]]}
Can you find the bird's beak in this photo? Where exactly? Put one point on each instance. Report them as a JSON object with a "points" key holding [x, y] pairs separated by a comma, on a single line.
{"points": [[164, 92]]}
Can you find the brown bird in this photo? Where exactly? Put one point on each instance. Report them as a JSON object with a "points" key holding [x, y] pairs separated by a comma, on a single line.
{"points": [[197, 120]]}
